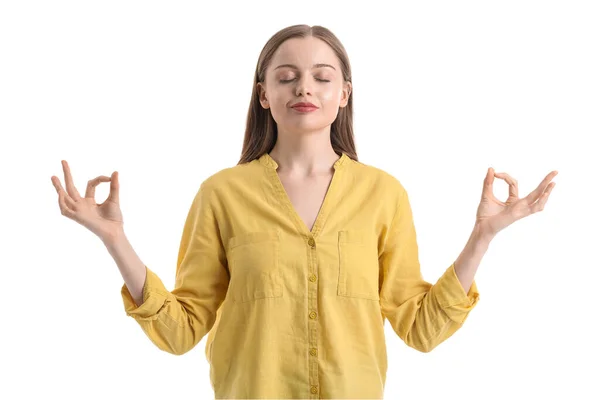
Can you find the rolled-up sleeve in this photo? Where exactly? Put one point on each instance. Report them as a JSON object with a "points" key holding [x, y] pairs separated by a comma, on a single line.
{"points": [[175, 321], [422, 315]]}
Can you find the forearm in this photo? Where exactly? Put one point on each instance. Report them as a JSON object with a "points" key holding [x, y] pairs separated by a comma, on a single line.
{"points": [[469, 259], [133, 270]]}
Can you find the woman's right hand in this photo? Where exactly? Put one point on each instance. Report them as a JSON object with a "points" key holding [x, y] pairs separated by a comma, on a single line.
{"points": [[105, 220]]}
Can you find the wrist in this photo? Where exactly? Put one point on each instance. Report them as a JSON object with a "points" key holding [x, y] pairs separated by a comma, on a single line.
{"points": [[114, 238], [482, 232]]}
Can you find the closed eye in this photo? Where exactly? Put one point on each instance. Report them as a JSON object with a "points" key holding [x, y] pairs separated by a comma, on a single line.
{"points": [[289, 80]]}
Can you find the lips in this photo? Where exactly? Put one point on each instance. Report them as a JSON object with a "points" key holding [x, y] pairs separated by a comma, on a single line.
{"points": [[304, 105]]}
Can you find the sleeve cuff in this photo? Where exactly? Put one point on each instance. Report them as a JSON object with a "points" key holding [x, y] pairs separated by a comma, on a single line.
{"points": [[154, 298], [451, 296]]}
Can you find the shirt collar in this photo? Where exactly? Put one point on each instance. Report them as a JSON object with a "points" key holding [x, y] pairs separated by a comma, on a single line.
{"points": [[269, 162]]}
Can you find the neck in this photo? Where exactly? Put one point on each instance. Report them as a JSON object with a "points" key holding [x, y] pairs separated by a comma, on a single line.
{"points": [[305, 155]]}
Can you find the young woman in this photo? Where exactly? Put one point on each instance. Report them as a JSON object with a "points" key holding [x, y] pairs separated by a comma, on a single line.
{"points": [[292, 259]]}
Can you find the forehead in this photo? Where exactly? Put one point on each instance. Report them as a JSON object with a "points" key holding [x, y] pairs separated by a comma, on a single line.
{"points": [[304, 52]]}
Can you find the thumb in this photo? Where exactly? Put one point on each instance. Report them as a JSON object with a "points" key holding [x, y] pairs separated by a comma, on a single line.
{"points": [[114, 187], [489, 177], [487, 182]]}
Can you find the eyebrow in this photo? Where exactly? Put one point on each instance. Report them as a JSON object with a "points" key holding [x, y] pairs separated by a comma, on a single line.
{"points": [[314, 66]]}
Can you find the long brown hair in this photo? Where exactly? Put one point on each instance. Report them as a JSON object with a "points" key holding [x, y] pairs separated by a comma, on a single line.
{"points": [[261, 128]]}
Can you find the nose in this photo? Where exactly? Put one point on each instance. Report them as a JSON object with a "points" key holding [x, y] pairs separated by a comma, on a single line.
{"points": [[303, 88]]}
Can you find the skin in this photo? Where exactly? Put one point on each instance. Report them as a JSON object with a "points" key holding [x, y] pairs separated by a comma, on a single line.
{"points": [[303, 147]]}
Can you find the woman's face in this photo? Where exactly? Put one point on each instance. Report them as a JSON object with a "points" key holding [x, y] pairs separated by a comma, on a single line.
{"points": [[304, 70]]}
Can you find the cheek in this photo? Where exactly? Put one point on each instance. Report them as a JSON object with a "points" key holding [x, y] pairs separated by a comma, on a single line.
{"points": [[277, 104], [276, 101], [328, 96], [331, 96]]}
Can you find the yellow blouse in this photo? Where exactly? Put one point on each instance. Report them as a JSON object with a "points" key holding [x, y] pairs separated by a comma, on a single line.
{"points": [[292, 312]]}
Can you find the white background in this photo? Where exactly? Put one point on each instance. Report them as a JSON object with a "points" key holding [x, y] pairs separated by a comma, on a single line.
{"points": [[159, 91]]}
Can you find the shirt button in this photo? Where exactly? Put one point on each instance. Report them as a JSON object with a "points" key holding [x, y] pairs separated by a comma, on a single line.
{"points": [[312, 315], [314, 389], [311, 242], [313, 352], [312, 277]]}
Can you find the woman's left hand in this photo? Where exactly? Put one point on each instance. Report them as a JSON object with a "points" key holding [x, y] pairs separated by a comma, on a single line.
{"points": [[494, 215]]}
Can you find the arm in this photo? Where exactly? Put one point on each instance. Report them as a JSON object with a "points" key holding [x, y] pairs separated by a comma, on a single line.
{"points": [[175, 321], [131, 267], [469, 259], [422, 315]]}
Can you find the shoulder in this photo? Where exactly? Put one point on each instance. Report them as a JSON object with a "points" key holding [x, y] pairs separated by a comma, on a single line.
{"points": [[231, 177], [379, 177]]}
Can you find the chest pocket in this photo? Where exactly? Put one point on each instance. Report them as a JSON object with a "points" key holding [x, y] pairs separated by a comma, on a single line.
{"points": [[254, 264], [358, 264]]}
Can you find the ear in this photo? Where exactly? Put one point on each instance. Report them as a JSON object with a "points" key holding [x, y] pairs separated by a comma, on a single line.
{"points": [[262, 95], [346, 94]]}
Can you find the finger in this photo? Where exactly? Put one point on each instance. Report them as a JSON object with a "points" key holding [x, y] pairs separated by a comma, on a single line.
{"points": [[71, 204], [114, 187], [56, 183], [539, 205], [63, 199], [58, 187], [513, 185], [90, 191], [537, 192], [69, 182], [488, 185]]}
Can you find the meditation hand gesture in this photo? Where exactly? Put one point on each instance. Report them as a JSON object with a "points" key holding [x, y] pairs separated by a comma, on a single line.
{"points": [[105, 219], [494, 215]]}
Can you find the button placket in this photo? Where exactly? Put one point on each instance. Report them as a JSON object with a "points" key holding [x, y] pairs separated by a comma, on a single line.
{"points": [[311, 242], [313, 305]]}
